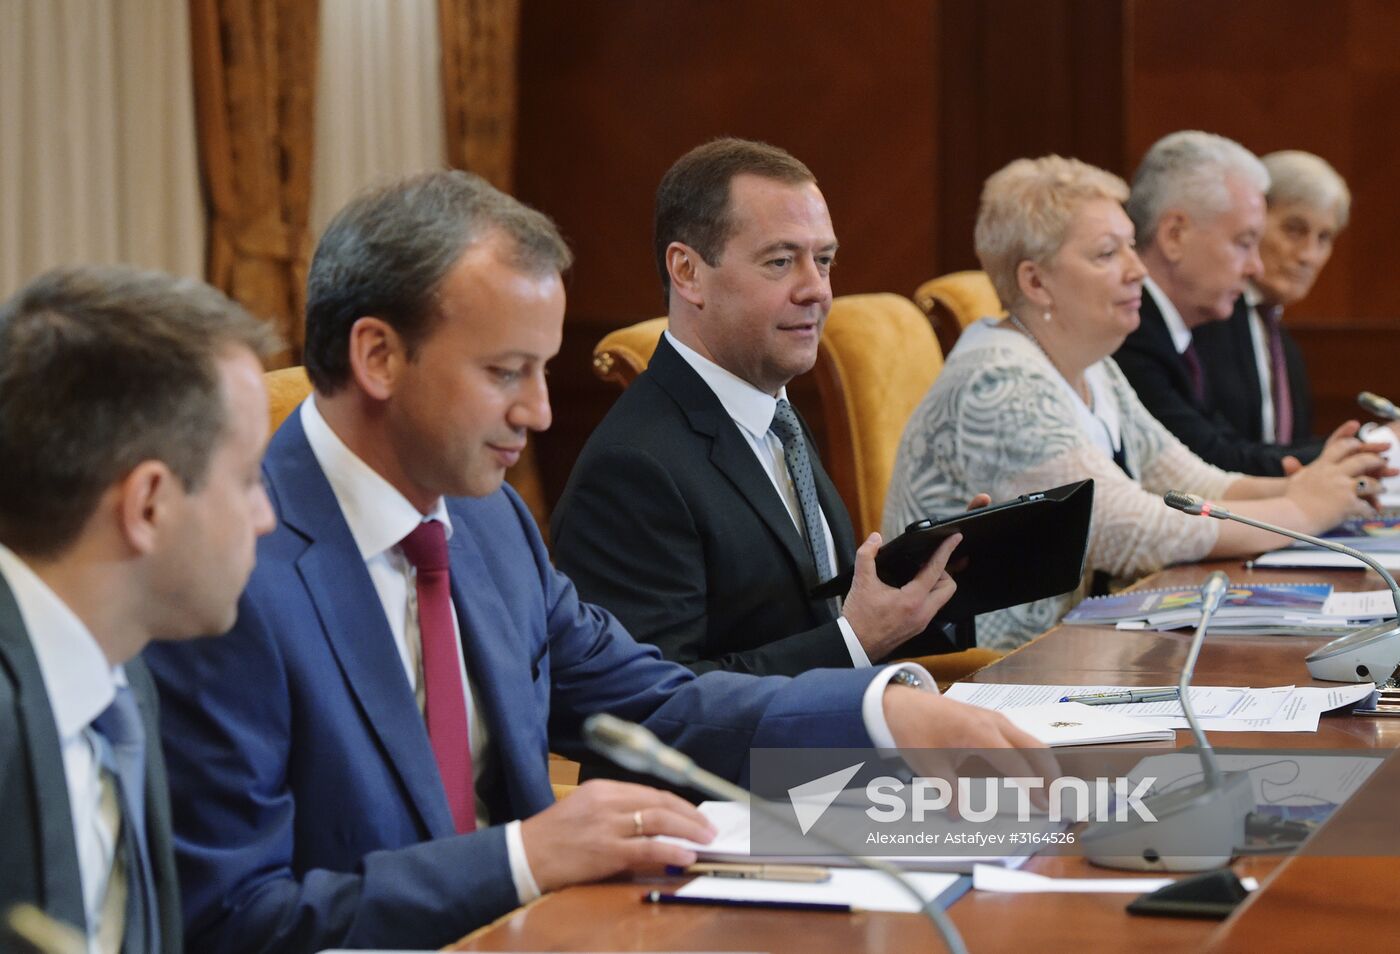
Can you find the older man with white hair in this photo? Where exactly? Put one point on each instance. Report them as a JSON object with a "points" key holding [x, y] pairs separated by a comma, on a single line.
{"points": [[1198, 207], [1254, 370]]}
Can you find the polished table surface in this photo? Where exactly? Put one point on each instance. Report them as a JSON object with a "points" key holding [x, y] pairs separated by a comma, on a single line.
{"points": [[1304, 902]]}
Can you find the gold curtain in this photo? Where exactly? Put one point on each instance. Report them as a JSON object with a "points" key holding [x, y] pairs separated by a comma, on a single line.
{"points": [[255, 72], [480, 39], [479, 43]]}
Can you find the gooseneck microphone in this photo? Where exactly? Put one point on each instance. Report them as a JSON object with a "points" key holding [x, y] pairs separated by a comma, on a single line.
{"points": [[1379, 406], [1199, 826], [636, 749], [1370, 654]]}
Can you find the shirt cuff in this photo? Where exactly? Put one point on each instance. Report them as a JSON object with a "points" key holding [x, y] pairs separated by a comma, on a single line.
{"points": [[525, 887], [858, 657], [872, 704]]}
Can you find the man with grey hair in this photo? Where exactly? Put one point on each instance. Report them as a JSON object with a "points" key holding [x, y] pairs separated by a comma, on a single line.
{"points": [[362, 761], [1197, 206], [1253, 368], [132, 423]]}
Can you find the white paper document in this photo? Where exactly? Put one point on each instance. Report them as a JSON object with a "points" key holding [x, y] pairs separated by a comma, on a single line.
{"points": [[862, 889], [1361, 605], [1311, 559], [1073, 723], [731, 843], [1219, 708], [989, 878]]}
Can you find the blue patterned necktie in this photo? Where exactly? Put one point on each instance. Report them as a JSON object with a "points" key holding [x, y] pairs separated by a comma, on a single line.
{"points": [[789, 431], [124, 755]]}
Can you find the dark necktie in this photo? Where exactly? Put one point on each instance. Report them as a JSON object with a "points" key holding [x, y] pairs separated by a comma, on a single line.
{"points": [[445, 708], [123, 753], [1193, 370], [1278, 364], [789, 431]]}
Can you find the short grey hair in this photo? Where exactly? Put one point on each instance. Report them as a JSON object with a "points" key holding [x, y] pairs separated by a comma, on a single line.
{"points": [[388, 250], [1189, 170], [1026, 210], [1303, 178]]}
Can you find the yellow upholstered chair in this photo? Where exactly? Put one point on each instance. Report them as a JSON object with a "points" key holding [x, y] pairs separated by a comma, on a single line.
{"points": [[877, 358], [625, 352], [956, 300], [286, 388]]}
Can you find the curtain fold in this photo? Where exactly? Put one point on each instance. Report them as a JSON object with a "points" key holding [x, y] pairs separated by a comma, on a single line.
{"points": [[254, 66], [480, 41]]}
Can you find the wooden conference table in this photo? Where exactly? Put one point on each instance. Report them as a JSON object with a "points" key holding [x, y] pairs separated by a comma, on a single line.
{"points": [[1303, 903]]}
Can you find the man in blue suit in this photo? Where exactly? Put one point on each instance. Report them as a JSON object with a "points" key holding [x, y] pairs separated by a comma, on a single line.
{"points": [[362, 760]]}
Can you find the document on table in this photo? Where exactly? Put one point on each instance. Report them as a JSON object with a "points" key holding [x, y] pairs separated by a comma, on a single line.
{"points": [[1361, 605], [1219, 708], [990, 878], [860, 888], [1323, 559], [731, 843], [1289, 784], [1073, 723]]}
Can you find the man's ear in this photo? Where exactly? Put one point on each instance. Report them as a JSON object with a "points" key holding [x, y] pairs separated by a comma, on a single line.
{"points": [[1030, 277], [1170, 237], [683, 265], [145, 501], [377, 356]]}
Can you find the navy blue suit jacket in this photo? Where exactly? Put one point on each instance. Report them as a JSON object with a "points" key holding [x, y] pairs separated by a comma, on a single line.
{"points": [[309, 812]]}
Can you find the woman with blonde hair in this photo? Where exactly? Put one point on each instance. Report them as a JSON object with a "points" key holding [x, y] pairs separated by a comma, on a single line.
{"points": [[1034, 400]]}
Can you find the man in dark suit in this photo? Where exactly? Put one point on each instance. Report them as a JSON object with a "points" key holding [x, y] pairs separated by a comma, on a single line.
{"points": [[1197, 204], [1253, 367], [132, 420], [699, 512], [362, 760]]}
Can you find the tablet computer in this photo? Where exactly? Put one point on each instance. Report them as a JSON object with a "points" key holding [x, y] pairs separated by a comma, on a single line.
{"points": [[1012, 552]]}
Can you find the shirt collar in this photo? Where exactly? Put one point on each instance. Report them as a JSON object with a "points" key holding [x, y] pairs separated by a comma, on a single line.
{"points": [[1176, 327], [79, 680], [378, 515], [750, 408]]}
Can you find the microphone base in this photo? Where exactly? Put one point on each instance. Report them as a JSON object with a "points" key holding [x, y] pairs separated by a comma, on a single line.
{"points": [[1205, 819], [1367, 655]]}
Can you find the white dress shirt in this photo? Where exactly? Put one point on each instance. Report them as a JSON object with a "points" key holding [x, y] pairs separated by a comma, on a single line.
{"points": [[752, 411], [1176, 325], [1263, 363], [80, 684], [379, 517]]}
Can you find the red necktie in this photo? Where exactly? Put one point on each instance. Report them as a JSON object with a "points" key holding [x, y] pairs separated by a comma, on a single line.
{"points": [[446, 707], [1194, 372], [1283, 396]]}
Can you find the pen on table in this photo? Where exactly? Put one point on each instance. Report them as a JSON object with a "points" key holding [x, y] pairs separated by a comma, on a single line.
{"points": [[810, 874], [1119, 698], [657, 897]]}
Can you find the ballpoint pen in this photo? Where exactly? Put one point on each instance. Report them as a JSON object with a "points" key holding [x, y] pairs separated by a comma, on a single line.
{"points": [[1162, 694], [810, 874], [657, 897]]}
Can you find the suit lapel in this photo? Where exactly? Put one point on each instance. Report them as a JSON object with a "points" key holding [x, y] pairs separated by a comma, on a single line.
{"points": [[353, 622], [729, 452], [1248, 370], [58, 875]]}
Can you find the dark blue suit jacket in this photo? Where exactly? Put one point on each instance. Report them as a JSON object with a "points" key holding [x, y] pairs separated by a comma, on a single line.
{"points": [[308, 808]]}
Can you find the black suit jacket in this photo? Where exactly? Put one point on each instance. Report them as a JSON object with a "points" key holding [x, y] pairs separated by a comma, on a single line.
{"points": [[37, 845], [1226, 349], [669, 521], [1162, 381]]}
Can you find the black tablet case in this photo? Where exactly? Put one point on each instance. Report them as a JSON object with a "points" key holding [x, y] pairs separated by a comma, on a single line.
{"points": [[1011, 553]]}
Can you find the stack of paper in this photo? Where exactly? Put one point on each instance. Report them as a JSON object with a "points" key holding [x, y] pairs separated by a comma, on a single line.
{"points": [[1072, 723], [1284, 609], [1378, 537], [1219, 708]]}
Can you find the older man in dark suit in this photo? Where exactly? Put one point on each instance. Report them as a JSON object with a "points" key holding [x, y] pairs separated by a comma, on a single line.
{"points": [[132, 421]]}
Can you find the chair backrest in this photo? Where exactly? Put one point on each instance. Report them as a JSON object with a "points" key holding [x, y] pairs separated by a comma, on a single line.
{"points": [[286, 388], [625, 352], [877, 358], [956, 300]]}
